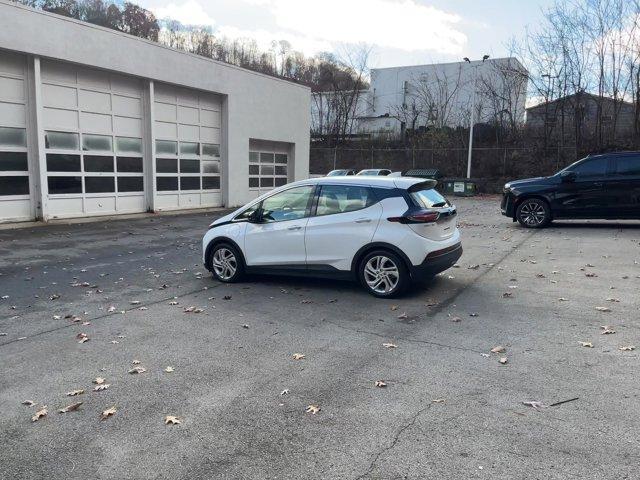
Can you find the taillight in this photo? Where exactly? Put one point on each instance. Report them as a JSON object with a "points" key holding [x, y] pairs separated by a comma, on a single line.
{"points": [[425, 216]]}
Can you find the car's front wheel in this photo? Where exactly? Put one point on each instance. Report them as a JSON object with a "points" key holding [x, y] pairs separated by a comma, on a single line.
{"points": [[383, 274], [533, 213], [226, 263]]}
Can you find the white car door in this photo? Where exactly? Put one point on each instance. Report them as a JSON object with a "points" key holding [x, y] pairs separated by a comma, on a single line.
{"points": [[278, 237], [346, 219]]}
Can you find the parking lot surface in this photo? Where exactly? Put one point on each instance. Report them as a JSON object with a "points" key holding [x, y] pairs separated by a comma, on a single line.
{"points": [[450, 409]]}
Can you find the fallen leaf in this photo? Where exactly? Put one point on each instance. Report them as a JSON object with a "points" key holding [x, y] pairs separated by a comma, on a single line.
{"points": [[389, 345], [586, 344], [394, 307], [135, 302], [312, 409], [70, 408], [39, 414], [438, 400], [99, 381], [173, 303], [29, 403], [507, 295], [73, 393], [603, 309], [107, 413], [615, 300], [498, 349], [298, 356], [627, 348], [170, 419], [562, 299], [136, 362], [380, 384], [402, 316], [285, 392], [607, 331], [227, 297], [456, 319], [503, 360], [111, 309], [99, 388], [136, 370], [534, 404], [590, 275]]}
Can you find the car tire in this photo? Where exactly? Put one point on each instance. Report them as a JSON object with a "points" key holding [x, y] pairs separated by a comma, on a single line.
{"points": [[533, 213], [227, 264], [383, 274]]}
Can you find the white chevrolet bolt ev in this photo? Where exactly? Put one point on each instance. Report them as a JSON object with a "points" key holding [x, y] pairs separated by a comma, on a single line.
{"points": [[382, 231]]}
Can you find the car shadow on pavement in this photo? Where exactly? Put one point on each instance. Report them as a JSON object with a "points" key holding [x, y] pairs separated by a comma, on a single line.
{"points": [[628, 224]]}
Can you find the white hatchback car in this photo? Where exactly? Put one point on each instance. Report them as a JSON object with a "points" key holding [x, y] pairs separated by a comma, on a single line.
{"points": [[381, 231]]}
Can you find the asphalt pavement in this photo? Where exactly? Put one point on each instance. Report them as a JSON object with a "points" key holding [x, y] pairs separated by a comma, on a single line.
{"points": [[137, 289]]}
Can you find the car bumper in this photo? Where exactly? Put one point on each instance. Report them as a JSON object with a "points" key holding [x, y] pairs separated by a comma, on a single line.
{"points": [[437, 262], [507, 205]]}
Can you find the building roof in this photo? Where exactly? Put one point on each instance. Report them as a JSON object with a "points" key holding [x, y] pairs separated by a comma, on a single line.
{"points": [[568, 98]]}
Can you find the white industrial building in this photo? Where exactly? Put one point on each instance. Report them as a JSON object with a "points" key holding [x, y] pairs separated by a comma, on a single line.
{"points": [[420, 96], [97, 122]]}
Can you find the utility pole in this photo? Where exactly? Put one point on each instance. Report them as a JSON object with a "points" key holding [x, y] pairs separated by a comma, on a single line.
{"points": [[473, 108]]}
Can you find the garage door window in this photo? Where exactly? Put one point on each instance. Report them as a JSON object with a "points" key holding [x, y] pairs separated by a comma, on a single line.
{"points": [[195, 168], [96, 169], [267, 170], [14, 166]]}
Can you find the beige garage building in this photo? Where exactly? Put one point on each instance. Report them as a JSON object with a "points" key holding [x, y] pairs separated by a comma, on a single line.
{"points": [[96, 122]]}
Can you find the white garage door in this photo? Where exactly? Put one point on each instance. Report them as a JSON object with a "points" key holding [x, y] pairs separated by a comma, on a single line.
{"points": [[93, 141], [187, 162], [268, 166], [15, 189]]}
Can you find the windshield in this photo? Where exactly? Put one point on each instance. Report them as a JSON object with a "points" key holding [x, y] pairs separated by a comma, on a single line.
{"points": [[368, 172], [429, 198], [572, 166], [336, 173]]}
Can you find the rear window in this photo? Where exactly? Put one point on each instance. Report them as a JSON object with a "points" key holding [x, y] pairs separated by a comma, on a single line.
{"points": [[429, 198]]}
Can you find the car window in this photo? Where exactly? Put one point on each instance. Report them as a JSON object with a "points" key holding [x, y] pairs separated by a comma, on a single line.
{"points": [[591, 168], [628, 165], [291, 204], [429, 198], [343, 198]]}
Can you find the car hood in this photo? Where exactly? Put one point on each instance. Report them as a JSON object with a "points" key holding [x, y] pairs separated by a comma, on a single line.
{"points": [[224, 219], [529, 181]]}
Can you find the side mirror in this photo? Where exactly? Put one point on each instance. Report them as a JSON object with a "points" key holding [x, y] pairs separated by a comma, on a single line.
{"points": [[568, 176], [254, 217]]}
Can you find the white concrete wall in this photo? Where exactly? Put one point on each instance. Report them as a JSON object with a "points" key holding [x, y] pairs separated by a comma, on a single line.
{"points": [[254, 106]]}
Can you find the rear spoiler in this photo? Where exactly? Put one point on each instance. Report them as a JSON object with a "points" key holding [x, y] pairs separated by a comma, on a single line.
{"points": [[426, 185]]}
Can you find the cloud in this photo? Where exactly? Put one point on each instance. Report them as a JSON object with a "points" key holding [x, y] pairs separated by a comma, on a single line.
{"points": [[402, 24], [264, 39], [188, 13]]}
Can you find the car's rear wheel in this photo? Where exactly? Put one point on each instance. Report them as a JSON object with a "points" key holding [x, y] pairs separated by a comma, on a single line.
{"points": [[383, 274], [226, 263], [533, 213]]}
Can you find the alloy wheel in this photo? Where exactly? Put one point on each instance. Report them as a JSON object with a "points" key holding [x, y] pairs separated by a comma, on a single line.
{"points": [[224, 263], [381, 274], [532, 214]]}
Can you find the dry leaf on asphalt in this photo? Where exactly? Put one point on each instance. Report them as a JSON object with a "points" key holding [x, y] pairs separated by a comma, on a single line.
{"points": [[136, 362], [312, 409], [627, 348], [381, 383], [111, 309], [389, 345], [135, 370], [456, 319], [170, 419], [394, 307], [587, 344], [603, 309], [70, 408], [607, 331], [503, 360], [107, 413], [99, 388], [39, 414], [507, 295], [534, 404], [298, 356], [614, 300], [99, 381], [73, 393], [29, 403], [498, 349], [168, 369], [402, 316], [285, 392], [438, 400], [562, 299]]}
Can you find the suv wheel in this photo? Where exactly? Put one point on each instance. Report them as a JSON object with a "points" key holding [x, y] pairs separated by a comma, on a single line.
{"points": [[533, 213], [383, 274], [226, 263]]}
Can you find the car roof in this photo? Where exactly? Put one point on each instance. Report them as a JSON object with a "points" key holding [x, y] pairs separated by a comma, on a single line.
{"points": [[383, 182]]}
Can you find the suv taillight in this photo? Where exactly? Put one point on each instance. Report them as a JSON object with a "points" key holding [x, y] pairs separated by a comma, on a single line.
{"points": [[423, 216]]}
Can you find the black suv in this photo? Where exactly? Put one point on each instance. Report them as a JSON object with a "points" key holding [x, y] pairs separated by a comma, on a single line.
{"points": [[605, 186]]}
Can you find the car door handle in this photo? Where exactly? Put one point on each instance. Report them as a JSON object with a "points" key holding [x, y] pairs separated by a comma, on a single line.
{"points": [[295, 227], [597, 184], [363, 220]]}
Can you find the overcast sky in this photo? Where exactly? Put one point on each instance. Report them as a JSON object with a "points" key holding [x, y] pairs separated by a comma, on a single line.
{"points": [[402, 32]]}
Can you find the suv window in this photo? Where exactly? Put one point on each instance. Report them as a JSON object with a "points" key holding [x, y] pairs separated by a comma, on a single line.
{"points": [[291, 204], [628, 165], [343, 198], [591, 168]]}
